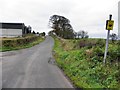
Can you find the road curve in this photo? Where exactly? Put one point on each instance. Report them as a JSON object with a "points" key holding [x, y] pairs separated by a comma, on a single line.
{"points": [[32, 68]]}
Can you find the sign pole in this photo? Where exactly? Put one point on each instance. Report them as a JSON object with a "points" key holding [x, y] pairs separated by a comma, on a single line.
{"points": [[107, 42]]}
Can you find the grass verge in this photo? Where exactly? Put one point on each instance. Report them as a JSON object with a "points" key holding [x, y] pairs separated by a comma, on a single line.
{"points": [[83, 64], [19, 43]]}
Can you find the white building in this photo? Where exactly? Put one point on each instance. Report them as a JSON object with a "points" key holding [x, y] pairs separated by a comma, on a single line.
{"points": [[12, 29]]}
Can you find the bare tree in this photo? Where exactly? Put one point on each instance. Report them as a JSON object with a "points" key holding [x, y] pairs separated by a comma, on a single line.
{"points": [[82, 34], [113, 36]]}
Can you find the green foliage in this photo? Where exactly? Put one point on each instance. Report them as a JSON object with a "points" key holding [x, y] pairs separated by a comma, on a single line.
{"points": [[61, 26], [20, 43], [88, 71], [89, 43], [42, 34], [33, 32]]}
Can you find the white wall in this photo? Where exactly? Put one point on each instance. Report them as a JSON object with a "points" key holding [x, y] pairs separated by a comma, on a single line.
{"points": [[11, 32]]}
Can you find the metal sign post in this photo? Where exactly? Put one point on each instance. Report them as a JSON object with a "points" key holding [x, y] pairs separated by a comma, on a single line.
{"points": [[109, 26], [106, 48]]}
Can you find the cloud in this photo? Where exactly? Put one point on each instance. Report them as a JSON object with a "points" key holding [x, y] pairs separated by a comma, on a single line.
{"points": [[90, 15]]}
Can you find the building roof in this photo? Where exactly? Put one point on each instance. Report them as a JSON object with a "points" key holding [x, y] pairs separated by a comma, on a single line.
{"points": [[11, 25]]}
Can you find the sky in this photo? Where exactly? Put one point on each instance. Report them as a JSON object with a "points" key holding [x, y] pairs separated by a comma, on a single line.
{"points": [[119, 20], [87, 15]]}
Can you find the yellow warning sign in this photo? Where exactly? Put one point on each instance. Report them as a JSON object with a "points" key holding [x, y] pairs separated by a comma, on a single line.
{"points": [[109, 24]]}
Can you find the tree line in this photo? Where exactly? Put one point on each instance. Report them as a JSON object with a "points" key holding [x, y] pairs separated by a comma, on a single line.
{"points": [[61, 27], [28, 30]]}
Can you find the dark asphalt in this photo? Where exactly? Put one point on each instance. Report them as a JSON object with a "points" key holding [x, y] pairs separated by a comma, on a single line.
{"points": [[32, 68]]}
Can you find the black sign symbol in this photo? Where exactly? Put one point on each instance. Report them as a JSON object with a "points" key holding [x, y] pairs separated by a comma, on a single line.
{"points": [[110, 25]]}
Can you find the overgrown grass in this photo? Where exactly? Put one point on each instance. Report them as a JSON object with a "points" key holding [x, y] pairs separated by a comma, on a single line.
{"points": [[83, 64], [19, 43]]}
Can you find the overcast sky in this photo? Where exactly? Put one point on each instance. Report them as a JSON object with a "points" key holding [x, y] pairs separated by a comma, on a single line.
{"points": [[88, 15]]}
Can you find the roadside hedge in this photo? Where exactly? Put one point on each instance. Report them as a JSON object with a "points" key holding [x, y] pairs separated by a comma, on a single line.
{"points": [[18, 41]]}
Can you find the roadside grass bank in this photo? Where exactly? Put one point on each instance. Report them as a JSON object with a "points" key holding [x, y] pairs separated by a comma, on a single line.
{"points": [[82, 61], [8, 44]]}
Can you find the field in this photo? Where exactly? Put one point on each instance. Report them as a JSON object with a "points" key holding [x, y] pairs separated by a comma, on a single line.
{"points": [[82, 61], [8, 44]]}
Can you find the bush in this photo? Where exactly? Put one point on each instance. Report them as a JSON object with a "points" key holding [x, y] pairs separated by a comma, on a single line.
{"points": [[84, 66], [98, 51], [100, 43], [18, 42]]}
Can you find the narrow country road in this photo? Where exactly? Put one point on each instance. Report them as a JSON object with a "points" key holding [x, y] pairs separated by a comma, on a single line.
{"points": [[32, 68]]}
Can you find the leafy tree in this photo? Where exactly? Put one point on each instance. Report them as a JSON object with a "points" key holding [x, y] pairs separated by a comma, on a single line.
{"points": [[37, 32], [42, 34], [29, 29], [33, 32], [61, 26], [51, 33], [87, 36], [75, 34]]}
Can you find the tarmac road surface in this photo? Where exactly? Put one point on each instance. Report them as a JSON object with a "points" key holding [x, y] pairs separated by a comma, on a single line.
{"points": [[32, 68]]}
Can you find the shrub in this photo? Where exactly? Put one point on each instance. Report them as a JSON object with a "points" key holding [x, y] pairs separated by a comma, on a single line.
{"points": [[18, 41], [98, 51], [89, 53], [100, 43], [85, 67]]}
